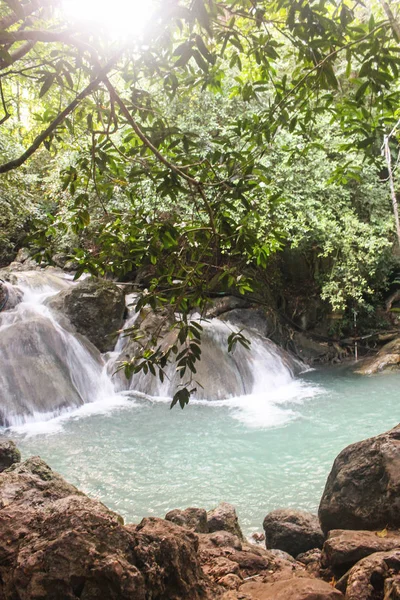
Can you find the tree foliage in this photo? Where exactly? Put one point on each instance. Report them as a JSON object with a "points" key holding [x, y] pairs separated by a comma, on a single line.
{"points": [[181, 154]]}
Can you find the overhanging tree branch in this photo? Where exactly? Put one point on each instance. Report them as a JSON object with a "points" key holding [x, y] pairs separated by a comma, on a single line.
{"points": [[13, 164], [174, 168]]}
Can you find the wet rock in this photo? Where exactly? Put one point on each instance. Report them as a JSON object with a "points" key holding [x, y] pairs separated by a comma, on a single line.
{"points": [[220, 306], [23, 255], [257, 538], [95, 308], [311, 351], [363, 487], [343, 548], [9, 455], [387, 358], [57, 544], [191, 518], [224, 518], [292, 531], [34, 376], [10, 296], [372, 577], [297, 588]]}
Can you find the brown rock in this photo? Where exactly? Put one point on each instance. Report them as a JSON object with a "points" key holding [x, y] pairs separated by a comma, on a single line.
{"points": [[343, 548], [293, 531], [224, 518], [363, 488], [367, 579], [9, 455], [191, 518], [297, 588], [58, 544], [231, 581], [225, 539]]}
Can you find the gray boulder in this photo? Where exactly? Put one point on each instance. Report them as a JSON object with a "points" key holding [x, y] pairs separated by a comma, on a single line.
{"points": [[9, 455], [388, 358], [224, 518], [363, 487], [44, 369], [10, 296], [293, 531], [95, 308]]}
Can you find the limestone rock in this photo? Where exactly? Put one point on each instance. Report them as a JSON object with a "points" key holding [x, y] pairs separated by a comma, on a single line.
{"points": [[363, 487], [95, 308], [372, 577], [191, 518], [224, 518], [58, 544], [10, 296], [388, 357], [34, 376], [297, 588], [343, 548], [9, 455], [292, 531]]}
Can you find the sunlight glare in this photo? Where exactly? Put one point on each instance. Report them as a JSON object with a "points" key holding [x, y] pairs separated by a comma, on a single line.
{"points": [[119, 18]]}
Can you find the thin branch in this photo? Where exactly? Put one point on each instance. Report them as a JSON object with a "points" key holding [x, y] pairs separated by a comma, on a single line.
{"points": [[174, 168], [326, 59], [6, 113], [393, 21], [17, 55], [13, 164], [28, 9]]}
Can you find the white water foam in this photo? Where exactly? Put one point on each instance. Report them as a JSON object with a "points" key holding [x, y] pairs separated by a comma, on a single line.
{"points": [[48, 423]]}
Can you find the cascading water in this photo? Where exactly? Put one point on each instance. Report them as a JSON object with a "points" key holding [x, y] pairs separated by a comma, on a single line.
{"points": [[45, 367], [48, 369]]}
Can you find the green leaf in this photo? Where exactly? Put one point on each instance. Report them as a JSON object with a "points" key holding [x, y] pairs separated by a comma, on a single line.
{"points": [[47, 83]]}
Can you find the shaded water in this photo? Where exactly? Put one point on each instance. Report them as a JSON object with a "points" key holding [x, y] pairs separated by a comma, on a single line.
{"points": [[143, 459]]}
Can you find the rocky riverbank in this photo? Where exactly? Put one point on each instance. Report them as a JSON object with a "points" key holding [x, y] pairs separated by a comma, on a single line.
{"points": [[57, 544]]}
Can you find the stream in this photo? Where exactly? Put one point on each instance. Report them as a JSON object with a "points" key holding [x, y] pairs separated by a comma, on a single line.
{"points": [[269, 447]]}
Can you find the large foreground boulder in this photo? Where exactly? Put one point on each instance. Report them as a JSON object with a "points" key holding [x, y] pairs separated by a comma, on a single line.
{"points": [[293, 531], [95, 308], [57, 544], [363, 487]]}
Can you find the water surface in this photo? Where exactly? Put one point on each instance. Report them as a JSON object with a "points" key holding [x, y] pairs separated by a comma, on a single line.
{"points": [[257, 452]]}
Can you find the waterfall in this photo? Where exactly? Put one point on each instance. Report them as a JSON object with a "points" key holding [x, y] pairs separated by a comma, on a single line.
{"points": [[219, 374], [45, 367]]}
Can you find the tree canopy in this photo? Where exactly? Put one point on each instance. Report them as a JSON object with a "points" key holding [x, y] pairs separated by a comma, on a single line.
{"points": [[183, 151]]}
